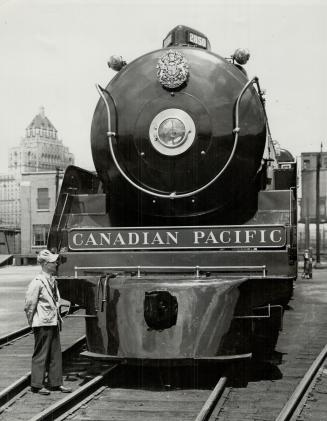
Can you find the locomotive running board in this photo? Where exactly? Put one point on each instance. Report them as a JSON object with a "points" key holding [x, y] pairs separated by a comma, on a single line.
{"points": [[115, 358], [195, 269]]}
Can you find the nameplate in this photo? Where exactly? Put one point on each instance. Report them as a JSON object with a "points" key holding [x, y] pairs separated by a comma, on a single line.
{"points": [[215, 237]]}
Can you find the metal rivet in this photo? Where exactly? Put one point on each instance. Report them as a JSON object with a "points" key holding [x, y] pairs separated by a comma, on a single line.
{"points": [[142, 153], [154, 201], [203, 152]]}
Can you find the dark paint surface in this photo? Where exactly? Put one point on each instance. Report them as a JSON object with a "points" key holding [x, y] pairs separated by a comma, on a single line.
{"points": [[276, 261], [209, 98], [124, 323]]}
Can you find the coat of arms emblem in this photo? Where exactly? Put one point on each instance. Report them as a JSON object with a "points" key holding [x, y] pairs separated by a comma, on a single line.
{"points": [[172, 69]]}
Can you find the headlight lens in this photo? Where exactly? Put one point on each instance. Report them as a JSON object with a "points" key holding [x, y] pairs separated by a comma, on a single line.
{"points": [[171, 132]]}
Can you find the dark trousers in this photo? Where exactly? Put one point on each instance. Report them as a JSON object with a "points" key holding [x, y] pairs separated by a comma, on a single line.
{"points": [[46, 357]]}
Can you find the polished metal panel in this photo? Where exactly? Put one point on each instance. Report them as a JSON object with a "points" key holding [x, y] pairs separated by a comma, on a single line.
{"points": [[204, 315]]}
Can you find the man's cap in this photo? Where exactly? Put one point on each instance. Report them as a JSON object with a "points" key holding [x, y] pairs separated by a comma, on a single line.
{"points": [[46, 256]]}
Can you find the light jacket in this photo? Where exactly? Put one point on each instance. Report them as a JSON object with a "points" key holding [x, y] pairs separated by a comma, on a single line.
{"points": [[40, 306]]}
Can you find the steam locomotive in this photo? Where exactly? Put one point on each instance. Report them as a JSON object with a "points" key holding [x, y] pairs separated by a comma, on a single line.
{"points": [[182, 245]]}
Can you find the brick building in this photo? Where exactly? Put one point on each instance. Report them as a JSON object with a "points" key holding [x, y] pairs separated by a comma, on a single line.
{"points": [[38, 200], [307, 229], [309, 162]]}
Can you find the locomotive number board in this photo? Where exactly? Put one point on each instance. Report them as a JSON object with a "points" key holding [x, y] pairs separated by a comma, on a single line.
{"points": [[196, 39], [216, 237]]}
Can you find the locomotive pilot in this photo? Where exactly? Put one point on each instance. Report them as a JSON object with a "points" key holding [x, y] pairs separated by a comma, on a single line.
{"points": [[42, 312]]}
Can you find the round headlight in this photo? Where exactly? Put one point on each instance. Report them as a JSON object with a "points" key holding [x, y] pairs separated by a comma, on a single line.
{"points": [[172, 132]]}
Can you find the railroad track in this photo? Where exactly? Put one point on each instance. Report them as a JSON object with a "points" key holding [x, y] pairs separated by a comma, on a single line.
{"points": [[15, 359], [138, 393], [56, 406], [102, 395], [297, 402], [18, 385], [10, 338], [122, 394], [17, 402], [115, 402]]}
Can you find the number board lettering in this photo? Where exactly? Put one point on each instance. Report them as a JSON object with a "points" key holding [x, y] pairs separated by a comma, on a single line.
{"points": [[196, 39]]}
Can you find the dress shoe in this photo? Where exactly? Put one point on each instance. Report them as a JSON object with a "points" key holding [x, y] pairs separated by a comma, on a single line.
{"points": [[40, 391], [62, 389]]}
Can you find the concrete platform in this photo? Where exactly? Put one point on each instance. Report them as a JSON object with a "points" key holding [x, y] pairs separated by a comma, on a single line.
{"points": [[13, 284], [314, 290]]}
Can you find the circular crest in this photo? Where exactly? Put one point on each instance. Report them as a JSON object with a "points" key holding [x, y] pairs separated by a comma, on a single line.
{"points": [[172, 69]]}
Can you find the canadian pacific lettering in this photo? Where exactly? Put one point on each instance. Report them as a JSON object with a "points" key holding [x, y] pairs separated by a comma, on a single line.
{"points": [[182, 237]]}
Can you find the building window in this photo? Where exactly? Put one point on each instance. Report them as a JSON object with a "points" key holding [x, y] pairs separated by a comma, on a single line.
{"points": [[43, 199], [306, 164], [40, 235]]}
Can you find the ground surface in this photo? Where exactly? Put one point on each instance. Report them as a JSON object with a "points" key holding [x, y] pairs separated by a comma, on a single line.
{"points": [[13, 284], [303, 337]]}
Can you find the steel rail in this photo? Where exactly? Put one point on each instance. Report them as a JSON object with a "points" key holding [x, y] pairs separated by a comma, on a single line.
{"points": [[9, 393], [69, 413], [74, 399], [212, 400], [12, 336], [295, 399], [20, 333]]}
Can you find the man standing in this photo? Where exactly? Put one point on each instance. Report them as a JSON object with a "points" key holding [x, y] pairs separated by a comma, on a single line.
{"points": [[42, 312]]}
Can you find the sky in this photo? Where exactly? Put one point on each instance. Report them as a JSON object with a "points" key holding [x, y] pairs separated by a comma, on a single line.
{"points": [[53, 52]]}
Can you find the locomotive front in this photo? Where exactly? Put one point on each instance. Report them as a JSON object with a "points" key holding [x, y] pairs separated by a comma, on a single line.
{"points": [[183, 245], [167, 134]]}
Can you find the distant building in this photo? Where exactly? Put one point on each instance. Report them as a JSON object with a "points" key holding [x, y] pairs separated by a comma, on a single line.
{"points": [[40, 149], [308, 178], [38, 201], [9, 201], [40, 154]]}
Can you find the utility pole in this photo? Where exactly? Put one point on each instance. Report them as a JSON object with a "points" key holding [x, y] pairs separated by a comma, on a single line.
{"points": [[307, 226], [318, 206], [57, 182]]}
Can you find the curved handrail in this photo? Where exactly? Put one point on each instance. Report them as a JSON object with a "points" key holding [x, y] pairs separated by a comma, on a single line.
{"points": [[263, 103], [173, 195]]}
